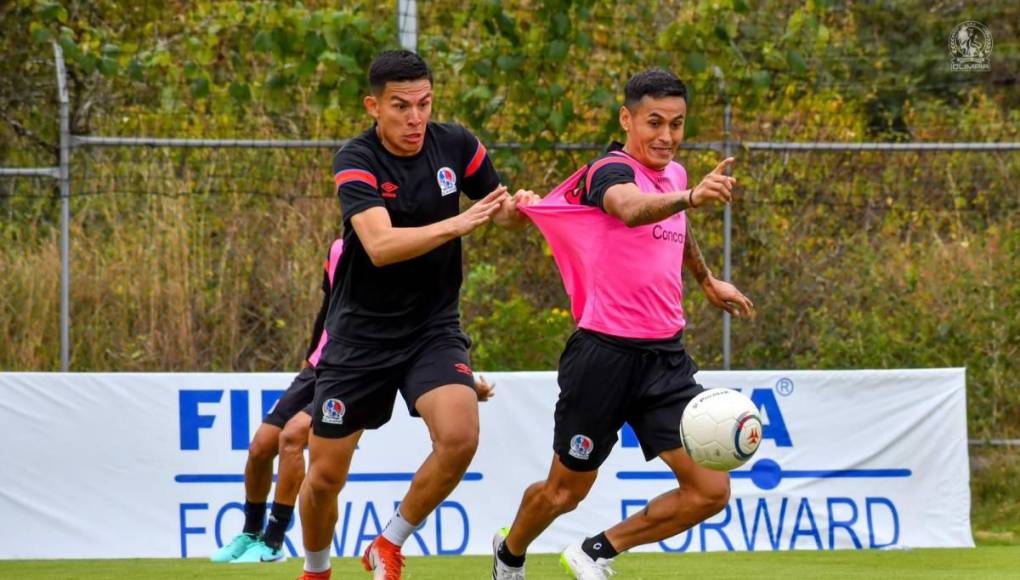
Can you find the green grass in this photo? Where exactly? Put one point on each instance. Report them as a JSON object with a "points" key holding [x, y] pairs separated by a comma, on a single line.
{"points": [[982, 562]]}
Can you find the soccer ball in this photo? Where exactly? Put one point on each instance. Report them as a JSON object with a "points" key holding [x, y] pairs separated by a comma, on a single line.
{"points": [[720, 429]]}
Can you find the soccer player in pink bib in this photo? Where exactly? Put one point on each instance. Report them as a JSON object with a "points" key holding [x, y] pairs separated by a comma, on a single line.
{"points": [[619, 233]]}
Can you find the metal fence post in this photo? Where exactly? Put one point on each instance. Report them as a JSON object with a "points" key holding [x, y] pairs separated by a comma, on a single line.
{"points": [[407, 24], [64, 180], [727, 230]]}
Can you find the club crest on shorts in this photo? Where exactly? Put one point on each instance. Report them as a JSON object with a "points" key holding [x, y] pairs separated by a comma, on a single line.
{"points": [[581, 446], [447, 180], [333, 411]]}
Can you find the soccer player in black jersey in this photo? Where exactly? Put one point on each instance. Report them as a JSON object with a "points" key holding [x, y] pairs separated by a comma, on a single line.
{"points": [[394, 324], [284, 432]]}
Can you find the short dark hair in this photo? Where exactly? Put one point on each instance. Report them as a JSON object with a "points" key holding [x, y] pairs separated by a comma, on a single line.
{"points": [[656, 83], [396, 66]]}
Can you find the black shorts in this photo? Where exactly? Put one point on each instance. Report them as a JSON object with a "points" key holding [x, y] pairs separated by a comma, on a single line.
{"points": [[357, 385], [298, 397], [604, 384]]}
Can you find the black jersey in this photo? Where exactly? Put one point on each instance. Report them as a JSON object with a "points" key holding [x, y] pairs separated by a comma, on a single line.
{"points": [[396, 302]]}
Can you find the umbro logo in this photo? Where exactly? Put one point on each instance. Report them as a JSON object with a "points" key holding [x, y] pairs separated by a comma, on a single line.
{"points": [[389, 190]]}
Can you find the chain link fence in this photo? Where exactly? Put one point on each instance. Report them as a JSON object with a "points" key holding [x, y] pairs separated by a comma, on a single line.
{"points": [[809, 214]]}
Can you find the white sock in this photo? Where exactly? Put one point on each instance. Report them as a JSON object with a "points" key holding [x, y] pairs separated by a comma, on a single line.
{"points": [[317, 561], [398, 529]]}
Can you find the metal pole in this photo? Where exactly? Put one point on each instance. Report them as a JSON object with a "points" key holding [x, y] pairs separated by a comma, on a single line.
{"points": [[53, 172], [995, 442], [65, 211], [407, 24], [727, 229], [915, 146], [90, 141]]}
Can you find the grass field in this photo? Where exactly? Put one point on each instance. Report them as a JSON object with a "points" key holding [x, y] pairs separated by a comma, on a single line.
{"points": [[979, 563]]}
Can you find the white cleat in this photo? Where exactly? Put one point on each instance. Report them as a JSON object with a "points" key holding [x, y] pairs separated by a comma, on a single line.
{"points": [[500, 570], [580, 566]]}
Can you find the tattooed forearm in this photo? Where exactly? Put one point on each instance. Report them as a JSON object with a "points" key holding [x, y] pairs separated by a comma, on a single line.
{"points": [[655, 208], [693, 260]]}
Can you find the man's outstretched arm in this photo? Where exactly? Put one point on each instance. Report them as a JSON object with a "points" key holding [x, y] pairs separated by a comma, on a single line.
{"points": [[386, 244], [637, 208]]}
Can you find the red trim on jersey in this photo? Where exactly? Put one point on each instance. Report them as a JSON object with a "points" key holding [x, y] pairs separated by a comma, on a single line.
{"points": [[476, 161], [599, 165], [348, 175]]}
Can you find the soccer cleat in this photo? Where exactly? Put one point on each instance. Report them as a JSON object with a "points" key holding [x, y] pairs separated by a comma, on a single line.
{"points": [[580, 565], [383, 559], [260, 552], [229, 552], [501, 570], [306, 575]]}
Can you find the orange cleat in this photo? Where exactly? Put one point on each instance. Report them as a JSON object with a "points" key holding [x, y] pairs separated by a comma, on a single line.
{"points": [[383, 559], [306, 575]]}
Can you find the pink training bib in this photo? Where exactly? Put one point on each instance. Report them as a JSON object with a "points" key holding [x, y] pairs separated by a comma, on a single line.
{"points": [[335, 252], [621, 281]]}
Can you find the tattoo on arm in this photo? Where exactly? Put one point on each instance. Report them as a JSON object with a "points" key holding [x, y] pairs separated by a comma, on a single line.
{"points": [[655, 209], [693, 260], [683, 203]]}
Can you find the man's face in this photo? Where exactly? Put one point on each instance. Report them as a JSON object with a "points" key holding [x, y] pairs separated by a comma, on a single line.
{"points": [[402, 111], [655, 129]]}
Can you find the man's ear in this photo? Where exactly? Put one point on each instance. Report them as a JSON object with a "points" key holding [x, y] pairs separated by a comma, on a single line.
{"points": [[626, 119], [372, 106]]}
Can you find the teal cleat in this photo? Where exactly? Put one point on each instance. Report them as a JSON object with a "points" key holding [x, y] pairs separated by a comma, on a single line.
{"points": [[234, 548], [259, 552]]}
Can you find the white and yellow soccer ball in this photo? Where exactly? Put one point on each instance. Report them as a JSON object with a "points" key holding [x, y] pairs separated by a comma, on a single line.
{"points": [[720, 429]]}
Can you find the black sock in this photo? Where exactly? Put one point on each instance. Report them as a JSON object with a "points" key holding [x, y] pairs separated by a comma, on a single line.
{"points": [[504, 555], [254, 516], [279, 519], [599, 547]]}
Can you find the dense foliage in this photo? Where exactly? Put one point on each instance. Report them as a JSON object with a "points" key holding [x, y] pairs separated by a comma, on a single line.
{"points": [[207, 258]]}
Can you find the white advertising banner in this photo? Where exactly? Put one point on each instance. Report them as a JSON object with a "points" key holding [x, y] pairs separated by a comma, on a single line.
{"points": [[151, 465]]}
